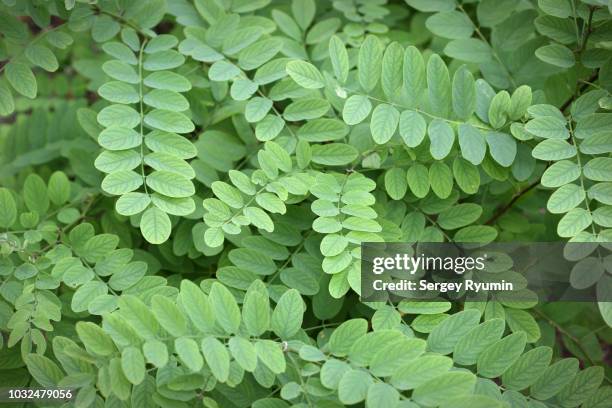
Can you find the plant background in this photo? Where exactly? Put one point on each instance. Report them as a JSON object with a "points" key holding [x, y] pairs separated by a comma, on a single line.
{"points": [[185, 185]]}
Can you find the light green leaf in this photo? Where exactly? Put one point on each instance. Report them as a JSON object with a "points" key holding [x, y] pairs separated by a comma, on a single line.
{"points": [[442, 138], [305, 74], [21, 78], [356, 109], [188, 351], [369, 63], [288, 314], [168, 121], [499, 356], [385, 119], [217, 358], [133, 365], [353, 387], [556, 54], [155, 226], [339, 58], [439, 87], [444, 387], [225, 308]]}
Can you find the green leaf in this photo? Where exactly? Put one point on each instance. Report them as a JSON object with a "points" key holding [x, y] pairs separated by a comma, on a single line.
{"points": [[225, 308], [35, 194], [356, 109], [217, 358], [565, 198], [527, 369], [168, 315], [444, 387], [389, 358], [499, 356], [44, 370], [573, 222], [119, 138], [339, 58], [8, 208], [560, 173], [21, 78], [132, 203], [243, 352], [155, 226], [369, 63], [269, 128], [353, 387], [502, 148], [343, 337], [418, 180], [450, 24], [256, 309], [584, 384], [7, 102], [168, 80], [471, 345], [304, 12], [119, 92], [467, 175], [555, 378], [305, 74], [133, 365], [419, 371], [444, 336], [121, 182], [165, 99], [463, 94], [392, 70], [270, 353], [120, 116], [58, 188], [382, 395], [41, 56], [163, 60], [306, 109], [223, 71], [459, 216], [188, 351], [170, 184], [385, 119], [548, 127], [469, 50], [412, 128], [288, 314], [323, 130], [155, 352], [197, 306], [414, 75], [170, 143], [476, 233], [95, 339], [556, 54], [442, 138], [257, 108], [438, 82], [441, 179], [121, 71], [553, 149], [169, 121], [396, 183], [334, 154]]}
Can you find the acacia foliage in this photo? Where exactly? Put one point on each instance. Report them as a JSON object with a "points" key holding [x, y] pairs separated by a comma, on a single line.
{"points": [[185, 194]]}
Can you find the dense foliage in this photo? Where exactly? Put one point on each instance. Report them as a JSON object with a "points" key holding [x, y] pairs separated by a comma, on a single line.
{"points": [[186, 184]]}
